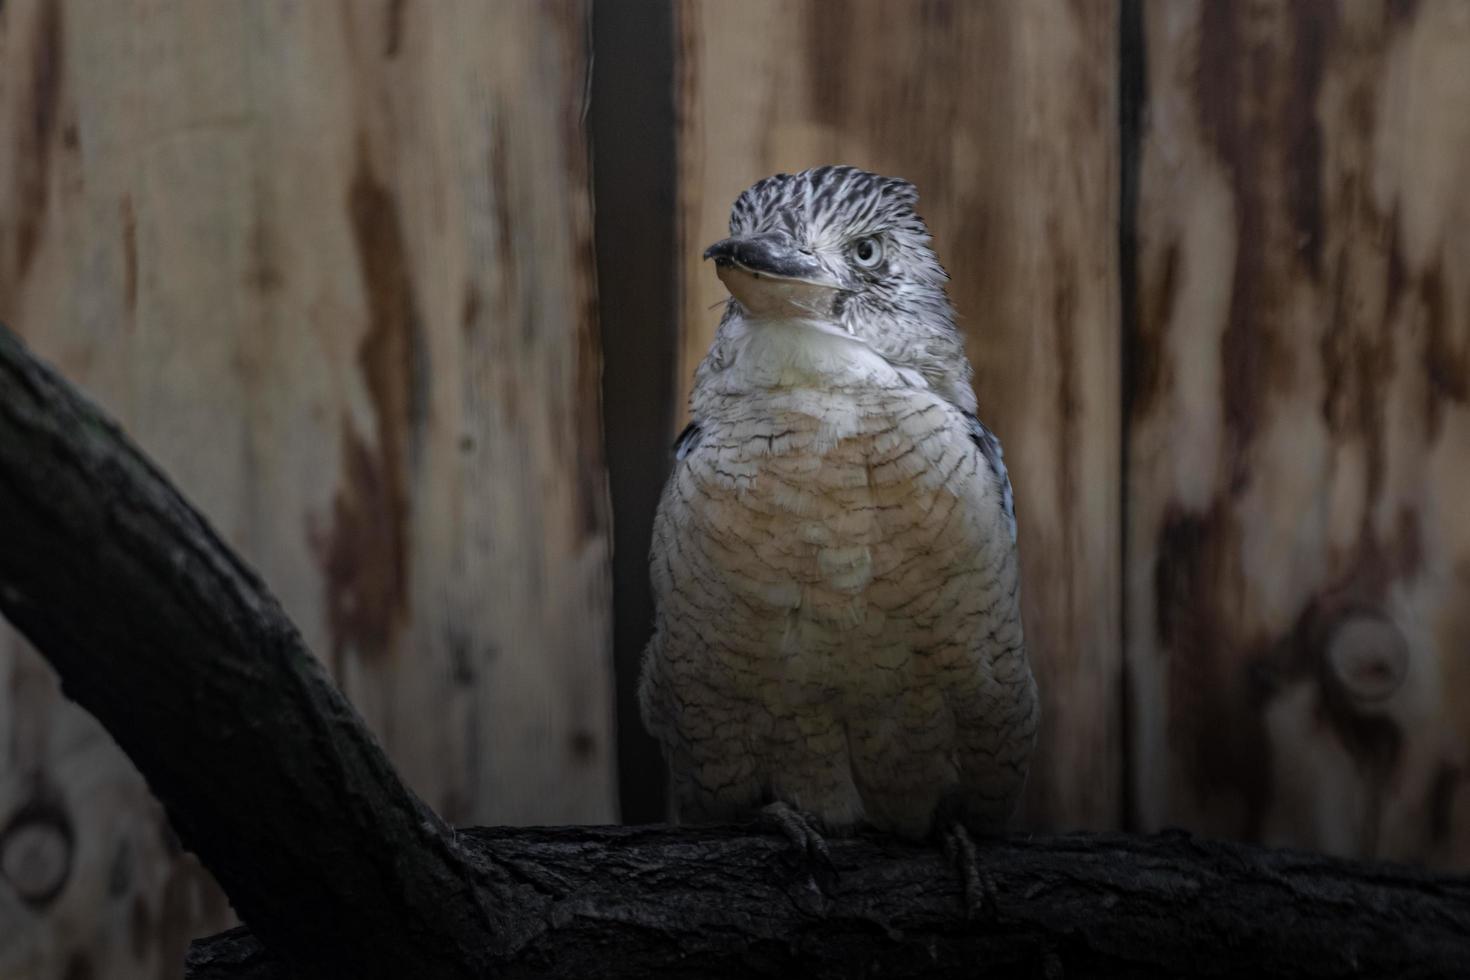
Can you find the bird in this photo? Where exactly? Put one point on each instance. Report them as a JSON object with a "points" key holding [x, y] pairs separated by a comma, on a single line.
{"points": [[837, 637]]}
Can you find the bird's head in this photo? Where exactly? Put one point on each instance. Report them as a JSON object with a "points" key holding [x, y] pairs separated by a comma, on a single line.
{"points": [[843, 250]]}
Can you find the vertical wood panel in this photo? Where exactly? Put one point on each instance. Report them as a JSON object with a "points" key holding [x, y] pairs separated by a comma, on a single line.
{"points": [[1299, 547], [331, 263], [1004, 115]]}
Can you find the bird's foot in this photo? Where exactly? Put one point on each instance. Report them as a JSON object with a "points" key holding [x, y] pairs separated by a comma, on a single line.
{"points": [[979, 891], [801, 829]]}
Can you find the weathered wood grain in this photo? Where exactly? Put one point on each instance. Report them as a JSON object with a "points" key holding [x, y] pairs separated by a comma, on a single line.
{"points": [[1004, 115], [1299, 540], [332, 264]]}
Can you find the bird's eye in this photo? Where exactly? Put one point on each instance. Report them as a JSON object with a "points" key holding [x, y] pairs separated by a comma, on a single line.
{"points": [[867, 252]]}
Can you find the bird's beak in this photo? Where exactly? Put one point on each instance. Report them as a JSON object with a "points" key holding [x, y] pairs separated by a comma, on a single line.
{"points": [[771, 277]]}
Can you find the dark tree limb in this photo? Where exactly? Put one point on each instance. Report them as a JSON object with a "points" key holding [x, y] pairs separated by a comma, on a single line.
{"points": [[717, 902], [267, 773]]}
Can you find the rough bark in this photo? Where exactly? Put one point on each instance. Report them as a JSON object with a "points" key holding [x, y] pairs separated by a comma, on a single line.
{"points": [[715, 902], [161, 632]]}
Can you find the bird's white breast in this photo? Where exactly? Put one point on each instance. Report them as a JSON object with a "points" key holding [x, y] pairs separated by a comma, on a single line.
{"points": [[806, 354]]}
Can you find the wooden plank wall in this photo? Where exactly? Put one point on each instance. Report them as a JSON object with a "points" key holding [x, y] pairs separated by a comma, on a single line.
{"points": [[1299, 433], [332, 264], [1004, 116]]}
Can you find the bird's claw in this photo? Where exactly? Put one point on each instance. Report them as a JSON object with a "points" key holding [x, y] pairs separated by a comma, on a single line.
{"points": [[800, 829], [959, 850]]}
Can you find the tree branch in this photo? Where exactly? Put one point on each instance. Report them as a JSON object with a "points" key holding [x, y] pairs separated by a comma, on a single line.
{"points": [[268, 774], [717, 902]]}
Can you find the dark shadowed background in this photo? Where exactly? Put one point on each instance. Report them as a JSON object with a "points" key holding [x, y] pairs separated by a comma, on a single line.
{"points": [[406, 295]]}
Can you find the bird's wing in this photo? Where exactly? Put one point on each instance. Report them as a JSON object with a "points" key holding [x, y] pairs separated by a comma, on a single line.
{"points": [[994, 455], [688, 440], [991, 691]]}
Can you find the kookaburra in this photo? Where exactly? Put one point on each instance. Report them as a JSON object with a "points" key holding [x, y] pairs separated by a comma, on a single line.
{"points": [[838, 629]]}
